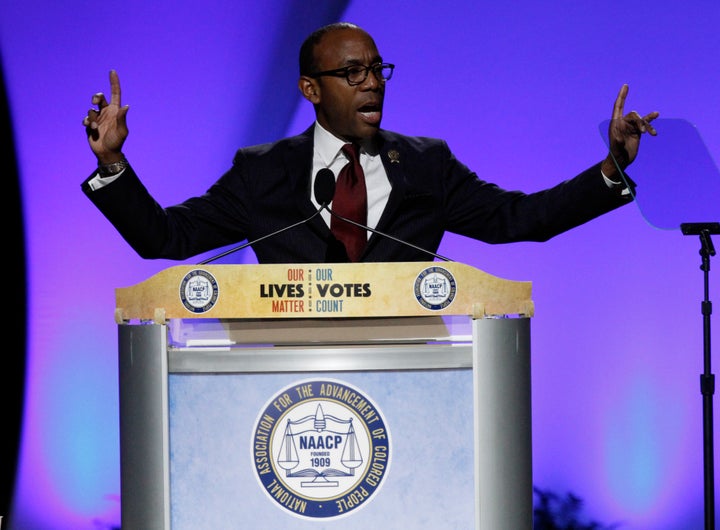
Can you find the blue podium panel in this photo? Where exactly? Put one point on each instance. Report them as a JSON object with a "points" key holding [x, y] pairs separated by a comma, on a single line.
{"points": [[426, 478]]}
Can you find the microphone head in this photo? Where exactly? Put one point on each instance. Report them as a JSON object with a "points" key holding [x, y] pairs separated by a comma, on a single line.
{"points": [[324, 186]]}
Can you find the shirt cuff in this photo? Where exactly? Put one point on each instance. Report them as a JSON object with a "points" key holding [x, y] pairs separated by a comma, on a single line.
{"points": [[98, 182], [614, 184]]}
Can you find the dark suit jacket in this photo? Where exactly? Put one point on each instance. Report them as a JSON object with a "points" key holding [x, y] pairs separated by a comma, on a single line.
{"points": [[268, 188]]}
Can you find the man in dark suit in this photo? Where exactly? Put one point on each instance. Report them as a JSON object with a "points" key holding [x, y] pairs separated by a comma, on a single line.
{"points": [[413, 189]]}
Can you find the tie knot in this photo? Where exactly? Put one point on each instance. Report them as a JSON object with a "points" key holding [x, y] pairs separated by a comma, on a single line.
{"points": [[352, 151]]}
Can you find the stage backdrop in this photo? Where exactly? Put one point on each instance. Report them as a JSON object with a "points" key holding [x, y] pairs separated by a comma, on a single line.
{"points": [[516, 88]]}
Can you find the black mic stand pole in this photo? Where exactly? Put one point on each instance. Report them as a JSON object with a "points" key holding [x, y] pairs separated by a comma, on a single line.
{"points": [[249, 243], [383, 234], [707, 379]]}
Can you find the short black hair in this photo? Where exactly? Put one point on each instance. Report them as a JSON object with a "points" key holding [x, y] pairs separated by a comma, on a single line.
{"points": [[307, 50]]}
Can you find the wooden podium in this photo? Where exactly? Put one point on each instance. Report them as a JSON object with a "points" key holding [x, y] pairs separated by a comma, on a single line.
{"points": [[219, 328]]}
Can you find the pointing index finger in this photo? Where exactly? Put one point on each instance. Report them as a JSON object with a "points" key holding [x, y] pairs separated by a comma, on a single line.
{"points": [[619, 106], [114, 88]]}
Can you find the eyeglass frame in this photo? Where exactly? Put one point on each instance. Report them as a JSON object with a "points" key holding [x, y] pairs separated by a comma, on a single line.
{"points": [[345, 72]]}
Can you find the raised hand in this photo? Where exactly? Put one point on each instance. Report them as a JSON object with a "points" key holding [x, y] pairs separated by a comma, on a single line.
{"points": [[106, 127], [624, 134]]}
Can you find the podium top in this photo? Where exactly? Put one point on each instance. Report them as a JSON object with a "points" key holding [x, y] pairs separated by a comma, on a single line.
{"points": [[336, 290]]}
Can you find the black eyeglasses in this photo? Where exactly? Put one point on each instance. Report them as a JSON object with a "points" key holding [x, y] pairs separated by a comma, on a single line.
{"points": [[358, 73]]}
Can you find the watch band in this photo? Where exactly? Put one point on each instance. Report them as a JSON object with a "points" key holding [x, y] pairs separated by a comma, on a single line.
{"points": [[109, 170]]}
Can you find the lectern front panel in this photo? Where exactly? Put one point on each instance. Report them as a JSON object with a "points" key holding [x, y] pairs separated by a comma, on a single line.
{"points": [[425, 476]]}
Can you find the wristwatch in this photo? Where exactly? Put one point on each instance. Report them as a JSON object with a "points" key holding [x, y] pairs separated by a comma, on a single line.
{"points": [[109, 170]]}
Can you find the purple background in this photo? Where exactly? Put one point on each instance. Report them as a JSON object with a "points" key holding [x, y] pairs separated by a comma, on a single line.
{"points": [[517, 89]]}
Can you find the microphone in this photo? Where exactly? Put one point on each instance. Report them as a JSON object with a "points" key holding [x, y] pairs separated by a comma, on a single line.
{"points": [[324, 191], [324, 187]]}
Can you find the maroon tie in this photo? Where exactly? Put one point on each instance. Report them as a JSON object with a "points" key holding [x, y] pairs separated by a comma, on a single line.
{"points": [[350, 201]]}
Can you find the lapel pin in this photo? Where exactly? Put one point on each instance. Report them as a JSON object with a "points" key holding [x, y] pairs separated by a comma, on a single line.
{"points": [[394, 157]]}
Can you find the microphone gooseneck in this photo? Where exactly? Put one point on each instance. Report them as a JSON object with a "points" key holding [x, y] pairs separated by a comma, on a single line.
{"points": [[324, 190], [383, 234], [324, 193]]}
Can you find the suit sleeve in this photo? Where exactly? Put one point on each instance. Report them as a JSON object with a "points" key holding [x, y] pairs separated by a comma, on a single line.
{"points": [[484, 211], [178, 232]]}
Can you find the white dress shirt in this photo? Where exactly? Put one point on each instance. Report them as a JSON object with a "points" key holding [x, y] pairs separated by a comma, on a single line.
{"points": [[328, 153]]}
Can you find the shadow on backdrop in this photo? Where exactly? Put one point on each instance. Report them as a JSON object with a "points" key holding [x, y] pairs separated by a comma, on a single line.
{"points": [[12, 371]]}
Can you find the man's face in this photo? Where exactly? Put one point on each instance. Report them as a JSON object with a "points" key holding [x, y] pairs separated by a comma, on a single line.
{"points": [[349, 112]]}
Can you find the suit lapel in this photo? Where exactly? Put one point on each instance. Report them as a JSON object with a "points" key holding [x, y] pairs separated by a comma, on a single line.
{"points": [[391, 156]]}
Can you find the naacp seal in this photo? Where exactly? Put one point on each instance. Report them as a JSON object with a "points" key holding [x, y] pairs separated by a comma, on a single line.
{"points": [[320, 449], [435, 288], [198, 291]]}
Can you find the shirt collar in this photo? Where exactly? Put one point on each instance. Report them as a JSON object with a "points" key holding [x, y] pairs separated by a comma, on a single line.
{"points": [[327, 145]]}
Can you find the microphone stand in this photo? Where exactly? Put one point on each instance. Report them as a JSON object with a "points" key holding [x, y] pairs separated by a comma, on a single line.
{"points": [[276, 232], [324, 189], [707, 379]]}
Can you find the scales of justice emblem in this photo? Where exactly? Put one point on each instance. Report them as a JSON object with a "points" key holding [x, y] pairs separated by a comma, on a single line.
{"points": [[321, 449], [435, 288], [330, 439], [198, 291]]}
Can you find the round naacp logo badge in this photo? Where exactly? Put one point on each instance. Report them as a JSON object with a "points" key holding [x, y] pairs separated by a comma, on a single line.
{"points": [[198, 291], [320, 449], [435, 288]]}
